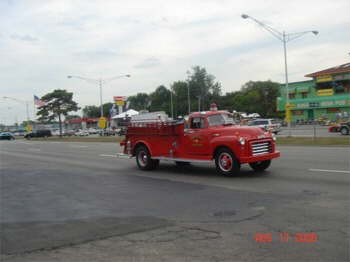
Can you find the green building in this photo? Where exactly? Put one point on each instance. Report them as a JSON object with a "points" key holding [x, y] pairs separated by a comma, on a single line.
{"points": [[326, 96]]}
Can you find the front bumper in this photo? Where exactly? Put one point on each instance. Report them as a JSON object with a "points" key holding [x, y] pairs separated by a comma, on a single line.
{"points": [[266, 156]]}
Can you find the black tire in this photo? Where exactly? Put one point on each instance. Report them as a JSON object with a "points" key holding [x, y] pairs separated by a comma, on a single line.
{"points": [[344, 131], [260, 165], [226, 162], [182, 164], [144, 160]]}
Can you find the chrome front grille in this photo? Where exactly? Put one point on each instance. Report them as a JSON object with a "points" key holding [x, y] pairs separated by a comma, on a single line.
{"points": [[260, 148]]}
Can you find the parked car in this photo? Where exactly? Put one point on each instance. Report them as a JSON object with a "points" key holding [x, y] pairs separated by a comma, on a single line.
{"points": [[82, 133], [345, 128], [55, 132], [267, 125], [39, 133], [7, 136], [68, 133], [92, 131], [108, 132], [19, 133]]}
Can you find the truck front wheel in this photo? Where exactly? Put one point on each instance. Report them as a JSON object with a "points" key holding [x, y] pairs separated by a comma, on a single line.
{"points": [[226, 162], [260, 165], [144, 160]]}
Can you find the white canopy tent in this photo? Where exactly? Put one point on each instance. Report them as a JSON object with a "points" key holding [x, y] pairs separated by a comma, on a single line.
{"points": [[130, 112]]}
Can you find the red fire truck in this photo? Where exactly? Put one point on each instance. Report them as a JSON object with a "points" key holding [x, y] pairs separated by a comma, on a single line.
{"points": [[205, 137]]}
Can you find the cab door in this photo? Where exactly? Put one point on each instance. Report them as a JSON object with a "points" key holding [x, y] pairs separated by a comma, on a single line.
{"points": [[196, 137]]}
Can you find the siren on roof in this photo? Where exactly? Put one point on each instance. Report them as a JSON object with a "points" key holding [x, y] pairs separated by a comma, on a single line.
{"points": [[213, 107]]}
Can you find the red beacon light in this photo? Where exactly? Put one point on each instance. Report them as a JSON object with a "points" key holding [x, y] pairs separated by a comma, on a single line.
{"points": [[213, 107]]}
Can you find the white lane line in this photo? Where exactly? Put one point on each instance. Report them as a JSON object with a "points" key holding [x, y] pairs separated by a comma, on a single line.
{"points": [[75, 146], [108, 155], [34, 149], [25, 143], [332, 171]]}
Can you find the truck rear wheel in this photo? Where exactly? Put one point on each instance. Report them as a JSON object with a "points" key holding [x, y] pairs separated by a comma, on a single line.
{"points": [[260, 165], [144, 160], [226, 162]]}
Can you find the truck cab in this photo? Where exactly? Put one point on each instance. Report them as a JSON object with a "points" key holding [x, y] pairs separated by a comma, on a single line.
{"points": [[209, 136]]}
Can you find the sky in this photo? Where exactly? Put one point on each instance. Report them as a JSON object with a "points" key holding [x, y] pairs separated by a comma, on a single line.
{"points": [[157, 42]]}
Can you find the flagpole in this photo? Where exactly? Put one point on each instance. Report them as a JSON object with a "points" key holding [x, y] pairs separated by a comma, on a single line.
{"points": [[34, 111]]}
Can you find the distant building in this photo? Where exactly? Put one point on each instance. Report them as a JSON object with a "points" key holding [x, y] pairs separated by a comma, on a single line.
{"points": [[326, 96], [83, 123]]}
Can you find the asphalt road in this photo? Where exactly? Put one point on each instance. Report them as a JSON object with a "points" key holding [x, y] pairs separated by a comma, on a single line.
{"points": [[78, 202]]}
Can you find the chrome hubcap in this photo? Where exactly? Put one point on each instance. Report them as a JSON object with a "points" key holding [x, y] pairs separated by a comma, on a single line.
{"points": [[225, 162], [143, 158]]}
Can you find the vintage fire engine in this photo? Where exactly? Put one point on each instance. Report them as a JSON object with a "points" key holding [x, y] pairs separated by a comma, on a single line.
{"points": [[204, 137]]}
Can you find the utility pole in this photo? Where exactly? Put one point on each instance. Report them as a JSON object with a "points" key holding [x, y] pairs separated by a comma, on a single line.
{"points": [[199, 103], [171, 104], [100, 83], [284, 38], [188, 99]]}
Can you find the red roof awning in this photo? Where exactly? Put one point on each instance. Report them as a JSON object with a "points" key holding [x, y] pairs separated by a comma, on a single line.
{"points": [[345, 68], [87, 120]]}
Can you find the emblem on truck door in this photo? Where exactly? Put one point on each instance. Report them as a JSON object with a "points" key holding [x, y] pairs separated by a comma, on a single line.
{"points": [[196, 141]]}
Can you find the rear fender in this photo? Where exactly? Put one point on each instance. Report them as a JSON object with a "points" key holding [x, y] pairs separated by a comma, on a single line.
{"points": [[144, 143]]}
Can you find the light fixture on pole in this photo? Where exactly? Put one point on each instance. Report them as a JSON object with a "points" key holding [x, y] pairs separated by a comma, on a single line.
{"points": [[99, 82], [284, 38]]}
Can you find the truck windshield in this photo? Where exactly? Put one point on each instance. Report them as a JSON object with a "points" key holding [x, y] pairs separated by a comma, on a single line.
{"points": [[220, 119]]}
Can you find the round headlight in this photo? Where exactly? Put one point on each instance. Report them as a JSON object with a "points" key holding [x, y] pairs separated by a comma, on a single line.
{"points": [[242, 141]]}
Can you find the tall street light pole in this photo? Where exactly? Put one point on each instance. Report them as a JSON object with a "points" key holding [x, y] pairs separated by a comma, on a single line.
{"points": [[171, 103], [100, 82], [188, 99], [282, 36], [22, 102]]}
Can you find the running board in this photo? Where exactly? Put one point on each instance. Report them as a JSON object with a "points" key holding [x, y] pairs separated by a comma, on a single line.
{"points": [[182, 159]]}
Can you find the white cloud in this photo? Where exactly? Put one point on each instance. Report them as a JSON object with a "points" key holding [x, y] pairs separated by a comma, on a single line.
{"points": [[157, 41]]}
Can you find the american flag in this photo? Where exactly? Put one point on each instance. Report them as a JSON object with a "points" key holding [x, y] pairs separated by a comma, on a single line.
{"points": [[38, 101]]}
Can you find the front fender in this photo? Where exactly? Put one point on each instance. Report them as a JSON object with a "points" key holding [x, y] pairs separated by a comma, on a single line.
{"points": [[230, 142]]}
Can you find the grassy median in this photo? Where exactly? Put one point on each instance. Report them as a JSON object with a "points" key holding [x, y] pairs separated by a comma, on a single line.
{"points": [[79, 139], [304, 141]]}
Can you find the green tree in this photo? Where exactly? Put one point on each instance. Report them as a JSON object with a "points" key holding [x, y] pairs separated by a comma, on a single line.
{"points": [[254, 97], [106, 108], [180, 98], [203, 87], [91, 111], [57, 104], [140, 101], [25, 123], [70, 117], [95, 111], [160, 100]]}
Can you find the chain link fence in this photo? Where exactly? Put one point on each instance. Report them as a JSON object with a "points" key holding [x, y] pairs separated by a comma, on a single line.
{"points": [[313, 130]]}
